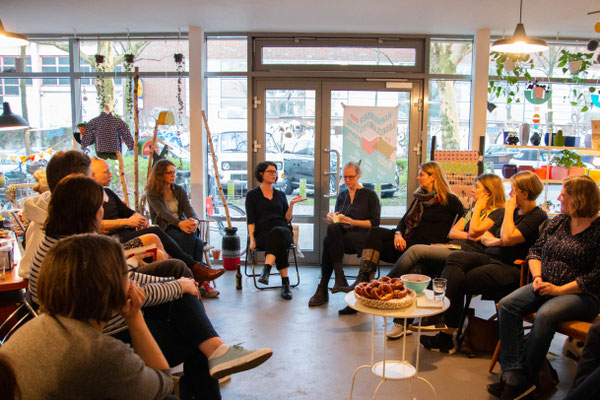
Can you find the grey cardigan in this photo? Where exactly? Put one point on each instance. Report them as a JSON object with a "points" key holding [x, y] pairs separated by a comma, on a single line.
{"points": [[161, 215]]}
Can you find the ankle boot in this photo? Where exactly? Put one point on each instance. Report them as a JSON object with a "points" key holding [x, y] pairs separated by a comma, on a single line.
{"points": [[368, 267], [320, 297], [264, 276], [340, 279], [286, 292]]}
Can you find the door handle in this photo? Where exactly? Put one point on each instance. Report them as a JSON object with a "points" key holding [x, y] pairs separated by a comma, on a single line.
{"points": [[336, 173]]}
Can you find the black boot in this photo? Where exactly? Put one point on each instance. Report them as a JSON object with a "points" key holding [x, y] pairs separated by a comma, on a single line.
{"points": [[368, 267], [347, 311], [320, 297], [264, 276], [340, 279], [286, 292]]}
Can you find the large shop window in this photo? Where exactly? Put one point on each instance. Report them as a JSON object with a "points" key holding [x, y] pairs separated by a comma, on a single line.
{"points": [[361, 54]]}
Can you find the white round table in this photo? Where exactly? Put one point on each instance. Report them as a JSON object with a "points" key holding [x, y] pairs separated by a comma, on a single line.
{"points": [[395, 369]]}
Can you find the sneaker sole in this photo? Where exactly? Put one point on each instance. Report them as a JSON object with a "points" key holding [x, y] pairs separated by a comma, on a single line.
{"points": [[449, 352], [241, 364], [400, 336], [427, 328]]}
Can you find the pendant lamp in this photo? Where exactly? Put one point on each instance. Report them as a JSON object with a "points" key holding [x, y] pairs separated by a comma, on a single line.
{"points": [[9, 120], [519, 42], [11, 39]]}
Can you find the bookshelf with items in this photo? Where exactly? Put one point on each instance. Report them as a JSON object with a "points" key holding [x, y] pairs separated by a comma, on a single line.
{"points": [[543, 159]]}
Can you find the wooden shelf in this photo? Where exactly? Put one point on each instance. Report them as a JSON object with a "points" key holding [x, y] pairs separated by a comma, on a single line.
{"points": [[579, 149]]}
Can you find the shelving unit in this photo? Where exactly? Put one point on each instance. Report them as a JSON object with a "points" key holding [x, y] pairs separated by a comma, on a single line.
{"points": [[547, 182]]}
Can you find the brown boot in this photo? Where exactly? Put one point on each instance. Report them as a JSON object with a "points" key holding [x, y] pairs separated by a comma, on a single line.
{"points": [[320, 297], [368, 266], [203, 273], [340, 279]]}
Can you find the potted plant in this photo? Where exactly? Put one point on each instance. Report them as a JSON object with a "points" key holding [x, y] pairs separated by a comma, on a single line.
{"points": [[512, 138], [568, 160], [509, 68], [559, 139], [578, 62]]}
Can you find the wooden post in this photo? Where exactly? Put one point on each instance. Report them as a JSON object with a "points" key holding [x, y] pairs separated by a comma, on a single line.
{"points": [[136, 141], [164, 118], [218, 179], [122, 176]]}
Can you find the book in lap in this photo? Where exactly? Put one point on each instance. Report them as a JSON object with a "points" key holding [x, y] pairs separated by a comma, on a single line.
{"points": [[142, 253]]}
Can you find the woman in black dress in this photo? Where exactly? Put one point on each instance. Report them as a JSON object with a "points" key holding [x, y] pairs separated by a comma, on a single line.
{"points": [[269, 229], [357, 209]]}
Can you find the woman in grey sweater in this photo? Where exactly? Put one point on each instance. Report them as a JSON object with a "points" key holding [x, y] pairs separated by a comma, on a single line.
{"points": [[81, 362]]}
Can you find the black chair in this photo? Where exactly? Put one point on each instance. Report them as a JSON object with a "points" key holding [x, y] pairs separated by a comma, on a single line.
{"points": [[254, 256], [26, 311]]}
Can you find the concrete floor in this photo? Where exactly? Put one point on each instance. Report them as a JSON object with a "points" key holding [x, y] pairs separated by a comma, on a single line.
{"points": [[315, 351]]}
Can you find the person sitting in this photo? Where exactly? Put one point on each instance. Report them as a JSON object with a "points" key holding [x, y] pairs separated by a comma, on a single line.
{"points": [[175, 315], [565, 265], [124, 223], [269, 216], [63, 352], [427, 220], [586, 384], [35, 208], [493, 272], [356, 210], [171, 210], [488, 194]]}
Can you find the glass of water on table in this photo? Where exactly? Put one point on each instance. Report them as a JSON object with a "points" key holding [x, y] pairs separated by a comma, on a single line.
{"points": [[439, 288]]}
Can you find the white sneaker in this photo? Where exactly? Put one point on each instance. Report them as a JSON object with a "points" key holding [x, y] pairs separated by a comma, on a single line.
{"points": [[397, 332]]}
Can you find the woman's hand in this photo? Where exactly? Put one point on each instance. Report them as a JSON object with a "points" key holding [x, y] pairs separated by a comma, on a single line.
{"points": [[137, 221], [481, 203], [399, 242], [547, 289], [536, 283], [252, 244], [511, 205], [331, 216], [190, 286], [135, 299], [297, 199], [346, 220], [188, 226]]}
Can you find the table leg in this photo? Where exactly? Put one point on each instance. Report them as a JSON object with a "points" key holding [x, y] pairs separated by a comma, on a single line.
{"points": [[418, 350], [372, 357]]}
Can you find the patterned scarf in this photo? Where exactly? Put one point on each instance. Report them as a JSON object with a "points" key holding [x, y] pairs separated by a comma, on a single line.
{"points": [[413, 217]]}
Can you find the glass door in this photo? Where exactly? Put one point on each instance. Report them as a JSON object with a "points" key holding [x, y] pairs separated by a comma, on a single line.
{"points": [[304, 120]]}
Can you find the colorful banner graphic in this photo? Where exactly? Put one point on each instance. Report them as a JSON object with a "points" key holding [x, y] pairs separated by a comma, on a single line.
{"points": [[370, 135]]}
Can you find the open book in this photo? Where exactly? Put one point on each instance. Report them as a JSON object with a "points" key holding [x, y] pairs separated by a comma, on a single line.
{"points": [[143, 252]]}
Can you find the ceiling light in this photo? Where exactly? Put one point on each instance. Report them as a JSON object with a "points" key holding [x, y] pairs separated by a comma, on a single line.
{"points": [[519, 42], [9, 120], [11, 39]]}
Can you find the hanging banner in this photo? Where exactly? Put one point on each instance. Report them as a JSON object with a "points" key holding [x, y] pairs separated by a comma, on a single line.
{"points": [[370, 135]]}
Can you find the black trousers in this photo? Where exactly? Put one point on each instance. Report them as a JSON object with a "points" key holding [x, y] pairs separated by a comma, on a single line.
{"points": [[276, 241], [170, 245], [475, 273], [340, 240], [382, 240]]}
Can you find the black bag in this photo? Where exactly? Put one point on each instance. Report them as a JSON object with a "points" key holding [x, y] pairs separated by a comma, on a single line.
{"points": [[481, 335]]}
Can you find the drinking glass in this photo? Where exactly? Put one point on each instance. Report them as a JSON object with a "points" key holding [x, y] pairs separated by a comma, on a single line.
{"points": [[439, 288]]}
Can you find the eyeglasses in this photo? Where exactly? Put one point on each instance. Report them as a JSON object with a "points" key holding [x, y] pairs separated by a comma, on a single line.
{"points": [[270, 171], [349, 176], [170, 173]]}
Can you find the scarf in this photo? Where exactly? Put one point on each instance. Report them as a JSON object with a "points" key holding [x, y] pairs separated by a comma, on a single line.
{"points": [[413, 216]]}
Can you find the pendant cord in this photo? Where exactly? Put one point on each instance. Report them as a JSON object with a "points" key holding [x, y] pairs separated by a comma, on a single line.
{"points": [[521, 11]]}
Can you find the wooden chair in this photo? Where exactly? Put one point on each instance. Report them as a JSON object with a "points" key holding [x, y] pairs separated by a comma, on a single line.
{"points": [[574, 329]]}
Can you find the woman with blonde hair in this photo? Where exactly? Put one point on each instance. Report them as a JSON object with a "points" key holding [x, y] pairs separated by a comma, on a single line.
{"points": [[565, 265], [427, 220], [488, 194]]}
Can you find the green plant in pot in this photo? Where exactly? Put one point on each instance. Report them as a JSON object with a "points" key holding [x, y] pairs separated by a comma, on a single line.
{"points": [[559, 139], [578, 62], [509, 68], [568, 160]]}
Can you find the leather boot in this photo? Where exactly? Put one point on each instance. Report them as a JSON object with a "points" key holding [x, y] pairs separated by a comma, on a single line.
{"points": [[340, 279], [320, 297], [264, 276], [286, 292], [368, 267], [204, 273]]}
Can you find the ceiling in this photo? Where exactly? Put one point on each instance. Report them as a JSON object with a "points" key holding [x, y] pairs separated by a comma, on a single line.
{"points": [[547, 18]]}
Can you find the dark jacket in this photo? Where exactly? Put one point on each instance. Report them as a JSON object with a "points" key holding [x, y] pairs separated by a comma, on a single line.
{"points": [[161, 215]]}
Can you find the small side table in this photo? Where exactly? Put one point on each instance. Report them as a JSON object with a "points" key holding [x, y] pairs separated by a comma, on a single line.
{"points": [[395, 369]]}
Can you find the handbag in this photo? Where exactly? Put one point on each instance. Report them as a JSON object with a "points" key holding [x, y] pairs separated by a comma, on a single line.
{"points": [[481, 335]]}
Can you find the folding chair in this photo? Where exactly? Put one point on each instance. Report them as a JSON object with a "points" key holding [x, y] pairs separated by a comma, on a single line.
{"points": [[22, 314], [256, 255]]}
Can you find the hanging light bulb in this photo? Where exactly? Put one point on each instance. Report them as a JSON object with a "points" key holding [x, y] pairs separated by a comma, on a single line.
{"points": [[519, 42], [11, 39]]}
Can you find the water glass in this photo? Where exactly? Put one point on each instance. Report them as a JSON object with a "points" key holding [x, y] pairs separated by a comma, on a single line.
{"points": [[439, 288]]}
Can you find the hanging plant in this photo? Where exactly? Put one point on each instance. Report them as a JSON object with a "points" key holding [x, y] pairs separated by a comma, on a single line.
{"points": [[129, 59], [578, 62], [179, 60], [509, 68], [100, 67]]}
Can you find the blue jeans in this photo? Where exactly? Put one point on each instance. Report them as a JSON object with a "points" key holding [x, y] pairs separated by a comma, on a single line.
{"points": [[421, 258], [551, 311], [188, 242]]}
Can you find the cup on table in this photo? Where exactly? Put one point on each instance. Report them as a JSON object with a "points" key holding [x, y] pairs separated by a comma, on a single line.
{"points": [[216, 253], [439, 288]]}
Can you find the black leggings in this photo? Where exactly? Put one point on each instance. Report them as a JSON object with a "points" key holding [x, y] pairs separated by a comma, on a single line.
{"points": [[276, 241]]}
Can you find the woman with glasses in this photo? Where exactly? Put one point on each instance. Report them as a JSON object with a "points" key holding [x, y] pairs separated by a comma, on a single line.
{"points": [[427, 220], [269, 215], [357, 210], [171, 210]]}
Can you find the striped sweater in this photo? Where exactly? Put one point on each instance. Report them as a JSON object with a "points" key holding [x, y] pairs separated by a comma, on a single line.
{"points": [[158, 290]]}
